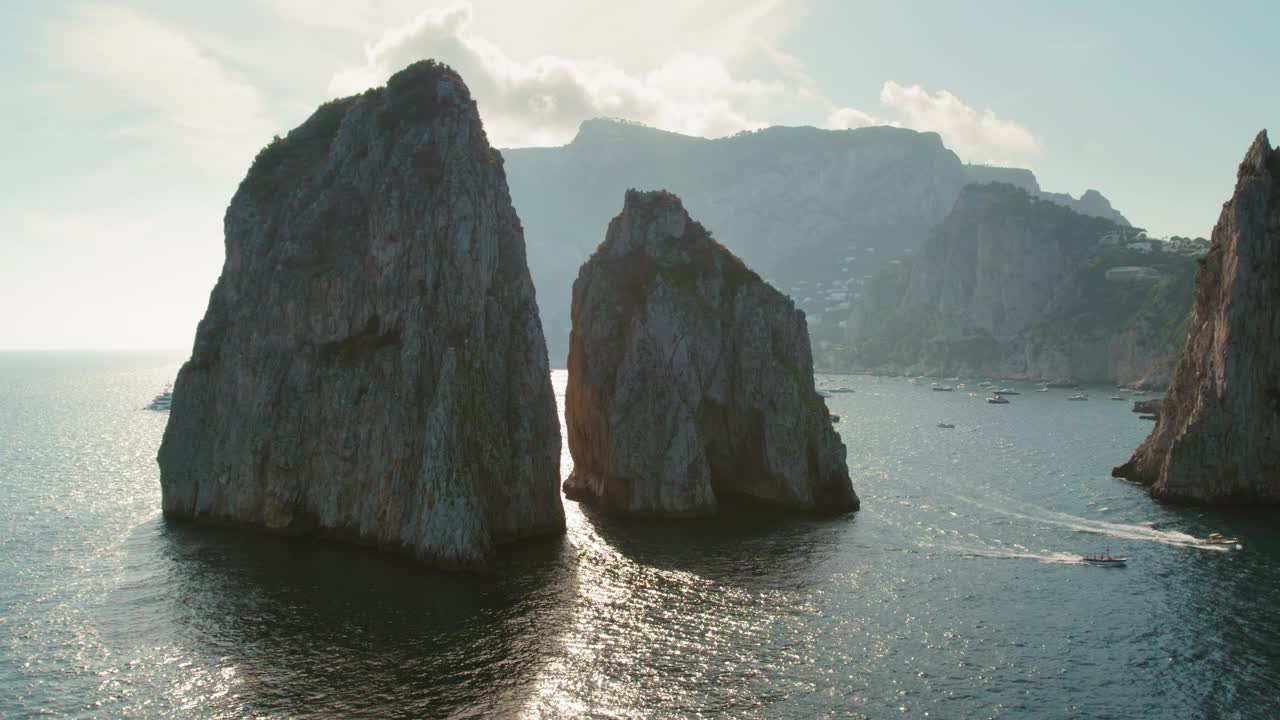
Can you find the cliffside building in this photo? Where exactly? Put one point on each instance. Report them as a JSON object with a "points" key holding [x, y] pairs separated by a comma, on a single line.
{"points": [[1132, 274]]}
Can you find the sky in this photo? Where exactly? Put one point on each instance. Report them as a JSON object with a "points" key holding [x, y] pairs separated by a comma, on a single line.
{"points": [[126, 126]]}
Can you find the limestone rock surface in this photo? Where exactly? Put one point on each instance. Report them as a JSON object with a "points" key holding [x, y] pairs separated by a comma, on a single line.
{"points": [[691, 379], [1011, 285], [1218, 436], [371, 365]]}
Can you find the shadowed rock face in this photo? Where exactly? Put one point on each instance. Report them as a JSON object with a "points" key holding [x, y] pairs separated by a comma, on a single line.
{"points": [[371, 364], [1013, 286], [690, 378], [1218, 436]]}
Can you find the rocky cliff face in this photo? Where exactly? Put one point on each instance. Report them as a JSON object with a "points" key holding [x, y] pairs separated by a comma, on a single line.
{"points": [[1010, 285], [1091, 203], [812, 210], [371, 364], [690, 378], [1218, 436]]}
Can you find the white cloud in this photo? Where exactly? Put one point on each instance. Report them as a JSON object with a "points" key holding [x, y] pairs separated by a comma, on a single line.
{"points": [[542, 101], [155, 71], [846, 118], [977, 136]]}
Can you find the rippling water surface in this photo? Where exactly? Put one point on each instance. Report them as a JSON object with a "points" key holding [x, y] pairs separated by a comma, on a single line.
{"points": [[954, 593]]}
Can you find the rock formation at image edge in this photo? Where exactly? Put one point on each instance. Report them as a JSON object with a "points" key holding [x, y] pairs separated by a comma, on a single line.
{"points": [[1218, 436]]}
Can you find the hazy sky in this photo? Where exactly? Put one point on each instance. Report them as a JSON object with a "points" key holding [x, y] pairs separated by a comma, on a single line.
{"points": [[127, 125]]}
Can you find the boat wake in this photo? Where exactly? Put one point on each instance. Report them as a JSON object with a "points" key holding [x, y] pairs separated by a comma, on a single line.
{"points": [[1044, 556], [1143, 532]]}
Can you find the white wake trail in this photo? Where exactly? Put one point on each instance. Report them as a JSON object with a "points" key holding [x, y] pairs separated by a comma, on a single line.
{"points": [[1123, 531]]}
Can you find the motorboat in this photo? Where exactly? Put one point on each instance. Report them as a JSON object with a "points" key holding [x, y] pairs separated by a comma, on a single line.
{"points": [[1106, 560], [1217, 539], [946, 426], [841, 390], [1043, 389], [1116, 397], [1005, 391], [1078, 396], [943, 388], [998, 400]]}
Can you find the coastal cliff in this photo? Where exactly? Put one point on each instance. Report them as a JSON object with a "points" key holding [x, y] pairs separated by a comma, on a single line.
{"points": [[1218, 436], [813, 211], [1011, 285], [690, 378], [371, 365]]}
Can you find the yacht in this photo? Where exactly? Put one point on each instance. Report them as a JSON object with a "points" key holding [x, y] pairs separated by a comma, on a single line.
{"points": [[1005, 391], [163, 401], [998, 400]]}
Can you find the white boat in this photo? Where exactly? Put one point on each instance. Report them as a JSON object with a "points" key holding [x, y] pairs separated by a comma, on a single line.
{"points": [[1005, 391], [998, 400], [163, 401], [943, 388], [1104, 560], [1217, 539], [1078, 396]]}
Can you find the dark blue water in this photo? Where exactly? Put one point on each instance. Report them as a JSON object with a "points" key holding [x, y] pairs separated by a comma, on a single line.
{"points": [[954, 593]]}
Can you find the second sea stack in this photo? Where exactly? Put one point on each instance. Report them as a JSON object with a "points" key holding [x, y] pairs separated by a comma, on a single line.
{"points": [[691, 379]]}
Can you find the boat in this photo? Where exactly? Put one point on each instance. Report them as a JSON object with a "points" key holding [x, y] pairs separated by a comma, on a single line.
{"points": [[1104, 560], [1005, 391], [998, 400], [943, 388], [946, 426], [163, 401], [1078, 396], [1217, 539], [824, 393], [1043, 389], [1116, 397], [841, 390]]}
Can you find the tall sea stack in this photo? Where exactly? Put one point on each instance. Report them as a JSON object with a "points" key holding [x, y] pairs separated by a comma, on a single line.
{"points": [[1218, 436], [371, 365], [690, 378]]}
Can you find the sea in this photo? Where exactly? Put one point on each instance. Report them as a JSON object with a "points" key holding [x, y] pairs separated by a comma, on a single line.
{"points": [[956, 592]]}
